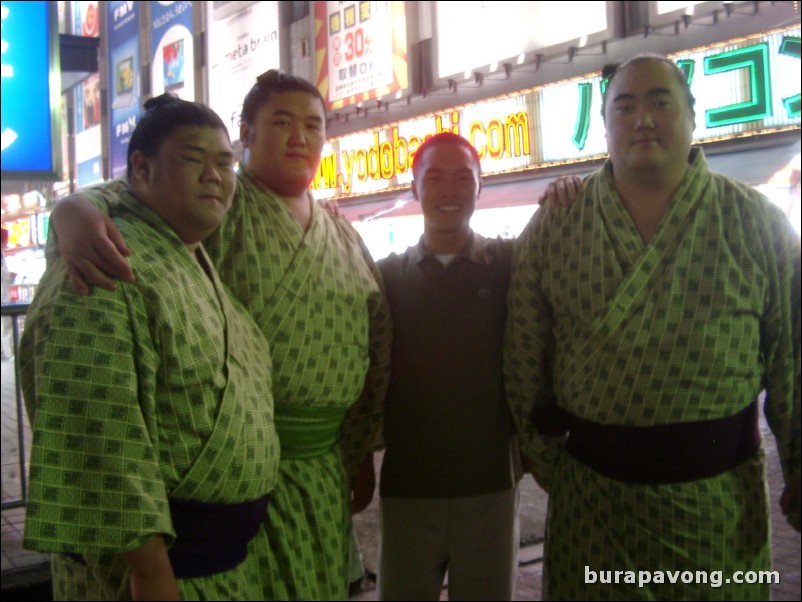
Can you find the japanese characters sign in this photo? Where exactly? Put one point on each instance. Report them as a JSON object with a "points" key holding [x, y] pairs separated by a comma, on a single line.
{"points": [[360, 50]]}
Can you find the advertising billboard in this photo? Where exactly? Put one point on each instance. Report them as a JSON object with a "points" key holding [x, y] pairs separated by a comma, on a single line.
{"points": [[88, 145], [124, 80], [172, 49], [744, 88], [472, 36], [243, 44], [31, 107], [360, 51]]}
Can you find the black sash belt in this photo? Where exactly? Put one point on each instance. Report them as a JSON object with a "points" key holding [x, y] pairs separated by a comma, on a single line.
{"points": [[666, 453], [212, 538]]}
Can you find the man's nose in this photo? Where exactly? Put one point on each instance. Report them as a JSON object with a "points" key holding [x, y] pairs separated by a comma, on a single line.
{"points": [[212, 173], [644, 118], [298, 134]]}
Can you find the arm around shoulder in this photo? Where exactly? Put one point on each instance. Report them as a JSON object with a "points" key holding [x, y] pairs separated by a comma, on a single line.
{"points": [[87, 239]]}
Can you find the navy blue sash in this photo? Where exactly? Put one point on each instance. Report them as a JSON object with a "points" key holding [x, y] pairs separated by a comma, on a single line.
{"points": [[664, 453], [212, 538]]}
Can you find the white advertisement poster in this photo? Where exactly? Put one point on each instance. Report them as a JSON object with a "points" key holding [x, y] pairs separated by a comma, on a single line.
{"points": [[243, 43], [172, 52], [360, 50], [474, 34]]}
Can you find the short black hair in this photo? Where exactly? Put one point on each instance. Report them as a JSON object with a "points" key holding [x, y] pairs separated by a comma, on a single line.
{"points": [[163, 115], [441, 139], [609, 71], [274, 82]]}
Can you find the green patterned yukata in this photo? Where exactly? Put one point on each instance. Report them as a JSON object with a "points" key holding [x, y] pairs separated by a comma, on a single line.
{"points": [[689, 327], [317, 297], [158, 390]]}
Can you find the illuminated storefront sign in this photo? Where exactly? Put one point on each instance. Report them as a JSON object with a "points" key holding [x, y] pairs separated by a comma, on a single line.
{"points": [[88, 144], [463, 42], [125, 91], [27, 231], [19, 233], [356, 59], [30, 95], [742, 88], [243, 44], [172, 49]]}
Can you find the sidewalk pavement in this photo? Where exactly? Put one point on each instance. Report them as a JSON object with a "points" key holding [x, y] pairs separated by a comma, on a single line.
{"points": [[25, 574]]}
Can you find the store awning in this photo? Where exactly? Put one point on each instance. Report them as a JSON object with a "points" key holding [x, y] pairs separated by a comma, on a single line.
{"points": [[358, 212], [79, 59], [509, 194], [513, 194], [755, 166]]}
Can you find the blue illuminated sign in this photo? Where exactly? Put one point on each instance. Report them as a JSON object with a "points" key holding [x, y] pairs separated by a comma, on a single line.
{"points": [[124, 69], [27, 119]]}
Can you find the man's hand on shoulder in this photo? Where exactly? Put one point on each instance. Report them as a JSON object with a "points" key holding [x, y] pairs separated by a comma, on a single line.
{"points": [[333, 207], [92, 247], [562, 192]]}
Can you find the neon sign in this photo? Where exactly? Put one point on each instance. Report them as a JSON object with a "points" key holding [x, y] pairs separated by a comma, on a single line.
{"points": [[742, 88], [29, 123], [755, 61], [507, 136], [791, 47]]}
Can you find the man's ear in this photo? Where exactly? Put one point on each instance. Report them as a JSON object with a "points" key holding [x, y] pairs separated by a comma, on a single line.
{"points": [[415, 191], [244, 134], [140, 166]]}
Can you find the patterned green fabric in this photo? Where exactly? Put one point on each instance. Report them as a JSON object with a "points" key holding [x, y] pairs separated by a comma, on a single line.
{"points": [[160, 389], [317, 297], [308, 526], [689, 327], [716, 524]]}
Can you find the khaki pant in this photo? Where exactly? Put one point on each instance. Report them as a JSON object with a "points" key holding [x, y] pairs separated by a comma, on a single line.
{"points": [[474, 539]]}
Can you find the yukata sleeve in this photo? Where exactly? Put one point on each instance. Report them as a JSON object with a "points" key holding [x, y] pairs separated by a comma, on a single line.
{"points": [[363, 422], [529, 347], [95, 483], [780, 341], [104, 197]]}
